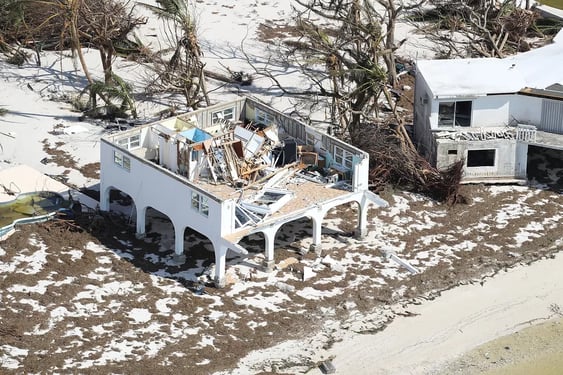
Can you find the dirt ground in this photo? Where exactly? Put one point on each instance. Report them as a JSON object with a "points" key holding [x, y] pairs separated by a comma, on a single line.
{"points": [[143, 269]]}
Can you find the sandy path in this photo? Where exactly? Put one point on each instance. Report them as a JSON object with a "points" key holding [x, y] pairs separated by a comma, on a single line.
{"points": [[458, 321]]}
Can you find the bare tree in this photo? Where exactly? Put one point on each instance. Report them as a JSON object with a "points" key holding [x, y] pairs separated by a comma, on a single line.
{"points": [[477, 28], [346, 49], [104, 23], [183, 72]]}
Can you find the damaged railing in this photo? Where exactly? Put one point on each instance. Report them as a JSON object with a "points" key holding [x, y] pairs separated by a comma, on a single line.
{"points": [[526, 133], [520, 132]]}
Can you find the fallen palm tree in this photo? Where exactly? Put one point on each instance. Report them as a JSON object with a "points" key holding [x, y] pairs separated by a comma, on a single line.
{"points": [[395, 161]]}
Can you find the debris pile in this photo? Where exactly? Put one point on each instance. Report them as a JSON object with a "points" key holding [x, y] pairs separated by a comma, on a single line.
{"points": [[395, 161], [258, 161]]}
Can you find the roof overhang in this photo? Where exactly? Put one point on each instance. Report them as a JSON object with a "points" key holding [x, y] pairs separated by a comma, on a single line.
{"points": [[542, 93]]}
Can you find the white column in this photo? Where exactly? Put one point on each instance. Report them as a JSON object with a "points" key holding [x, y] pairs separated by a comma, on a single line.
{"points": [[316, 246], [141, 216], [104, 197], [220, 264], [269, 239], [178, 240], [361, 231]]}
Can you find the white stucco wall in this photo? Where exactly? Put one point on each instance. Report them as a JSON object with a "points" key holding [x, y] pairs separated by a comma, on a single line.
{"points": [[493, 111], [490, 111], [526, 109], [151, 186]]}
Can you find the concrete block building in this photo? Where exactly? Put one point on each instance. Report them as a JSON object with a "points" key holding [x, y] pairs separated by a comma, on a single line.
{"points": [[488, 111]]}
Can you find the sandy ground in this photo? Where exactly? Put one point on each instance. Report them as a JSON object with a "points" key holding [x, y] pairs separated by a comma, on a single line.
{"points": [[460, 320], [534, 350]]}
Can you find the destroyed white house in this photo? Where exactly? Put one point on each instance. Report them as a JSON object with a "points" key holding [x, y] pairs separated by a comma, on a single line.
{"points": [[488, 111], [231, 170]]}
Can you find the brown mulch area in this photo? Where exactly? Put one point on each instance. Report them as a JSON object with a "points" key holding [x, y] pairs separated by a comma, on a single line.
{"points": [[138, 262]]}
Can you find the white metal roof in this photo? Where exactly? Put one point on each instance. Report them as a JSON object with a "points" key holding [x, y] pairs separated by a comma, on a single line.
{"points": [[537, 68]]}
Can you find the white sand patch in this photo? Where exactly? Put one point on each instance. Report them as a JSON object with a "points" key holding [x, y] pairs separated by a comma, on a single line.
{"points": [[140, 315], [104, 259], [99, 293], [510, 212], [217, 301], [465, 246], [99, 329], [263, 302], [330, 280], [34, 304], [203, 362], [7, 359], [206, 340], [94, 247], [252, 324], [76, 331], [86, 309], [75, 129], [527, 233], [391, 271], [215, 315], [34, 261], [552, 222], [40, 287], [57, 315], [74, 254], [401, 205], [99, 274], [495, 190], [162, 304], [312, 293]]}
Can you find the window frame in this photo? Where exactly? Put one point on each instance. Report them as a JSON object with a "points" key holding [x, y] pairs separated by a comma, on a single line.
{"points": [[227, 114], [494, 158], [130, 143], [123, 161], [343, 157], [263, 117], [200, 203], [455, 113]]}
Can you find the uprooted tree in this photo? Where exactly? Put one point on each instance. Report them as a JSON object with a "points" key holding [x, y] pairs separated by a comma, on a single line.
{"points": [[346, 49], [480, 28]]}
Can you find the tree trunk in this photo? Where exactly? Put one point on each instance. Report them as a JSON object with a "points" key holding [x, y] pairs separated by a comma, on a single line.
{"points": [[389, 57], [74, 5], [106, 57]]}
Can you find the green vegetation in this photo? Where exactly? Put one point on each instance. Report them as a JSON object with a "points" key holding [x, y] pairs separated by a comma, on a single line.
{"points": [[553, 3]]}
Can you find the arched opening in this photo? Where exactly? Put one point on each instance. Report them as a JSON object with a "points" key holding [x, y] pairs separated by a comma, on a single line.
{"points": [[119, 202], [293, 238], [342, 220], [545, 167], [198, 252], [160, 229], [255, 243]]}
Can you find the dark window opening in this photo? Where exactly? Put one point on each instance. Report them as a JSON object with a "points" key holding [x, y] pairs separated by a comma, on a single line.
{"points": [[452, 152], [481, 158], [454, 113]]}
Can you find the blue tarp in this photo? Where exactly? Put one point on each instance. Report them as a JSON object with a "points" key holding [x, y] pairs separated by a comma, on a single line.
{"points": [[196, 135]]}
